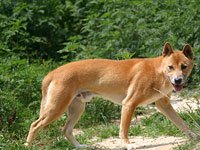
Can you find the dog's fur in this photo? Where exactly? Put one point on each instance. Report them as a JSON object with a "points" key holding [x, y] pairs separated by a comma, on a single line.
{"points": [[129, 83]]}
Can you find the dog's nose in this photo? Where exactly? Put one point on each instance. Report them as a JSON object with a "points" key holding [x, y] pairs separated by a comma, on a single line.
{"points": [[178, 81]]}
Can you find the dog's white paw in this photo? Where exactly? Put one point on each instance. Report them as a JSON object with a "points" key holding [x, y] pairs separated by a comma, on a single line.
{"points": [[81, 146], [26, 144], [130, 146]]}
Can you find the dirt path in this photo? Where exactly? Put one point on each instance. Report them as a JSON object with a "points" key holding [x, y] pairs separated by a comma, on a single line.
{"points": [[141, 143], [182, 104], [146, 143]]}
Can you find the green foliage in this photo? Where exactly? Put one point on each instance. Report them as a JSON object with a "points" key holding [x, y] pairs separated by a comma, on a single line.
{"points": [[140, 28], [36, 29]]}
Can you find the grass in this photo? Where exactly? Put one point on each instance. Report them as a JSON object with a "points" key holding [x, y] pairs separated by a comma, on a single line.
{"points": [[99, 125], [187, 146], [152, 126]]}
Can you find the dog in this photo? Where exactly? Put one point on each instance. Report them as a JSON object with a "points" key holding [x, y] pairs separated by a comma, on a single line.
{"points": [[129, 83]]}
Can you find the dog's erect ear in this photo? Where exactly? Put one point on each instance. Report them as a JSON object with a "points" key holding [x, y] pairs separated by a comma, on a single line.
{"points": [[187, 51], [167, 49]]}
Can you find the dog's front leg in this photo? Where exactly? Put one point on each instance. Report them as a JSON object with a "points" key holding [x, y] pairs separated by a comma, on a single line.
{"points": [[166, 108], [128, 109]]}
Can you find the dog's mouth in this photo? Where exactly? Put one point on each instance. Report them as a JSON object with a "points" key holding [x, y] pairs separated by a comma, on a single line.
{"points": [[178, 87]]}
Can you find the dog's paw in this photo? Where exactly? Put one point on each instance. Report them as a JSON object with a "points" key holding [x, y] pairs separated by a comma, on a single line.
{"points": [[130, 146], [26, 144], [81, 146]]}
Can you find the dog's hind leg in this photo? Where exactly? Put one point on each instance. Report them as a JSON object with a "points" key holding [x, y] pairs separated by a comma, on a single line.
{"points": [[58, 99], [75, 110]]}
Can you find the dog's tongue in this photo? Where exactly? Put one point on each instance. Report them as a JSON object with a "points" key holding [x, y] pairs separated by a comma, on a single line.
{"points": [[178, 87]]}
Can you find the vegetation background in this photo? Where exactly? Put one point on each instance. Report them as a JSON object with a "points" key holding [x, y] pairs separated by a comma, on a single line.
{"points": [[38, 36]]}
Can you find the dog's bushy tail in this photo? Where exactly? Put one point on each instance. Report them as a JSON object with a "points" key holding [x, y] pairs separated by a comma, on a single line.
{"points": [[45, 86]]}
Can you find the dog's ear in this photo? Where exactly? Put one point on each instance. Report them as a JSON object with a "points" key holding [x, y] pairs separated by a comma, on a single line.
{"points": [[167, 49], [187, 51]]}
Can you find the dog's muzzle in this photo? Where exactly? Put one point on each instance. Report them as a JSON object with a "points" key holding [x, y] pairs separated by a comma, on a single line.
{"points": [[178, 87], [178, 83]]}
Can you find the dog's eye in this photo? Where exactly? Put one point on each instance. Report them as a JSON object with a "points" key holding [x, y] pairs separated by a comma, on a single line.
{"points": [[171, 68], [183, 67]]}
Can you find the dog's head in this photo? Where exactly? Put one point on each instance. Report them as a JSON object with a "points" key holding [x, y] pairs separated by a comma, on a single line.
{"points": [[177, 65]]}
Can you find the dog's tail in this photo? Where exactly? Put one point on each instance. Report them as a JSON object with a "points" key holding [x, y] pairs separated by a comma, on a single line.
{"points": [[45, 86]]}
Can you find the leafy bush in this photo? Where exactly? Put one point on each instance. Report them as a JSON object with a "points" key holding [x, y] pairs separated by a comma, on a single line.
{"points": [[20, 86], [36, 29], [89, 29], [140, 28]]}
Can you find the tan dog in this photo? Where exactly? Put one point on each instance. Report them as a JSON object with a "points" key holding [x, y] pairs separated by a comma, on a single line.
{"points": [[129, 83]]}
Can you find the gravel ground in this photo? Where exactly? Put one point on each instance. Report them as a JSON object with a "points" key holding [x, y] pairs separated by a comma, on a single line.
{"points": [[146, 143], [141, 143]]}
